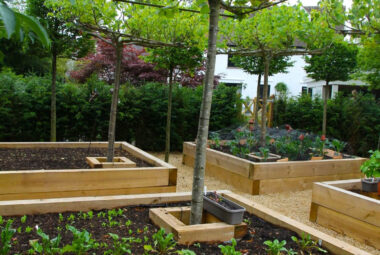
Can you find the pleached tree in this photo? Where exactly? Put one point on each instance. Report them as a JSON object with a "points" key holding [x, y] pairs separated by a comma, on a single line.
{"points": [[120, 24]]}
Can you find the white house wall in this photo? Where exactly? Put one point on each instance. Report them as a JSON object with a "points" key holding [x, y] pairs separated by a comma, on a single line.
{"points": [[293, 79]]}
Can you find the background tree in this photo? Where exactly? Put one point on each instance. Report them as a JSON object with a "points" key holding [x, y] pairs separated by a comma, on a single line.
{"points": [[134, 69], [174, 60], [361, 22], [119, 24], [271, 33], [255, 65], [65, 41], [336, 63]]}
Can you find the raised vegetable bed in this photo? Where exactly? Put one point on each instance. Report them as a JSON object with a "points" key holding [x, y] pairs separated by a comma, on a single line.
{"points": [[153, 175], [129, 219], [271, 177], [336, 206]]}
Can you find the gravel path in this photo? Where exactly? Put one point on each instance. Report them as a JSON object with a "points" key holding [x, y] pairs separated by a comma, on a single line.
{"points": [[295, 205]]}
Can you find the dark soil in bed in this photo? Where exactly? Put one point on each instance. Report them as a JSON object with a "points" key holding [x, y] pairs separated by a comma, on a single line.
{"points": [[56, 158], [133, 222]]}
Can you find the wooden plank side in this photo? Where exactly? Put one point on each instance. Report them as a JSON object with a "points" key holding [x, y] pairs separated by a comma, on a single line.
{"points": [[332, 244], [237, 181], [84, 204], [292, 169], [348, 203], [359, 230], [69, 180], [222, 160], [212, 232], [87, 193], [298, 183], [346, 184], [145, 156]]}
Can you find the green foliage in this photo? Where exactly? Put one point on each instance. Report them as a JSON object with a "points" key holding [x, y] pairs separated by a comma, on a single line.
{"points": [[336, 63], [18, 24], [307, 244], [264, 153], [255, 65], [121, 245], [355, 120], [47, 246], [6, 235], [275, 247], [25, 104], [82, 242], [163, 242], [338, 145], [229, 249], [371, 168]]}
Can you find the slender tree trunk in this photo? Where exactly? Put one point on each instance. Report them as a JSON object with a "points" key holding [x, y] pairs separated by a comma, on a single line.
{"points": [[324, 121], [53, 100], [256, 110], [115, 99], [265, 96], [169, 116], [200, 151]]}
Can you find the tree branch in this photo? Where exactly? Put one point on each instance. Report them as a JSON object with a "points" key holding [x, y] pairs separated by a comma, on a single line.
{"points": [[260, 53], [239, 10]]}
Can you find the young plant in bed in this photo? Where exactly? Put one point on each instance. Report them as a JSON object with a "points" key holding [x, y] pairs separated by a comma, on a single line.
{"points": [[47, 246], [307, 245], [6, 234], [163, 243], [82, 242], [275, 247], [229, 249]]}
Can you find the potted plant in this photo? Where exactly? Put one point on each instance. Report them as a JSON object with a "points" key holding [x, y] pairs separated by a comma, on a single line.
{"points": [[337, 152], [318, 150], [371, 170], [222, 208], [263, 156]]}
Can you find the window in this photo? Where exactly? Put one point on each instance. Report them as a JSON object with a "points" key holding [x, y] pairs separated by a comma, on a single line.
{"points": [[262, 91], [238, 85], [304, 90], [230, 63]]}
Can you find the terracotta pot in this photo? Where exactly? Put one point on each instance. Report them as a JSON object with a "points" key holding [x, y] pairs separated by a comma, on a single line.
{"points": [[316, 158]]}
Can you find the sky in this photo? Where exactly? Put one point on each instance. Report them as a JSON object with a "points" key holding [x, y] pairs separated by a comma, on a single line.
{"points": [[347, 3]]}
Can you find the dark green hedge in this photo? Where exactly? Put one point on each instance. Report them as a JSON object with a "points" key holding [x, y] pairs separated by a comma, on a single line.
{"points": [[25, 111], [352, 119]]}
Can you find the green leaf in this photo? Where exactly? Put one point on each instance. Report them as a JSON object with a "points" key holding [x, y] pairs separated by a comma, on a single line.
{"points": [[8, 18], [34, 25]]}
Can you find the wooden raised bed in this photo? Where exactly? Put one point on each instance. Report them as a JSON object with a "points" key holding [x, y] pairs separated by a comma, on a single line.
{"points": [[335, 206], [271, 177], [32, 184], [84, 204]]}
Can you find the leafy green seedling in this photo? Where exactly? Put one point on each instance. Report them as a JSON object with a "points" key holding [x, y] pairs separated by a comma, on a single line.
{"points": [[163, 243], [128, 223], [275, 247], [229, 249], [82, 242], [6, 235], [90, 215], [28, 229], [23, 219], [60, 217], [47, 246], [307, 244], [185, 252]]}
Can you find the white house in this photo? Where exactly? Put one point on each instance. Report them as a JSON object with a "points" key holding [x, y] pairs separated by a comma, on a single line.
{"points": [[235, 76]]}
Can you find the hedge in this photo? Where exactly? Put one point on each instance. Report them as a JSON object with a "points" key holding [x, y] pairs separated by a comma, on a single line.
{"points": [[352, 119], [25, 111]]}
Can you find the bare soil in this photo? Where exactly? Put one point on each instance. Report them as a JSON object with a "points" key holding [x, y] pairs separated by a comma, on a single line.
{"points": [[56, 158]]}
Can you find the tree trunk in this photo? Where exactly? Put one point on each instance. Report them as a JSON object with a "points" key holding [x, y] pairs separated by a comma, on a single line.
{"points": [[265, 96], [325, 93], [169, 116], [53, 100], [200, 152], [256, 110], [115, 99]]}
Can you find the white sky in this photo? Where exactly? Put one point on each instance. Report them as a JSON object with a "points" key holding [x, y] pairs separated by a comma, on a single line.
{"points": [[347, 3]]}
